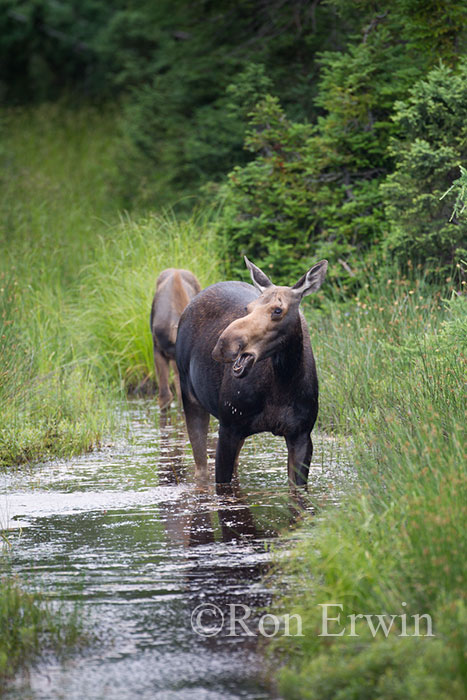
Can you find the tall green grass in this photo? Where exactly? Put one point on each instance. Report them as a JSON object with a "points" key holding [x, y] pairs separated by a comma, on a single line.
{"points": [[56, 166], [116, 290], [392, 374]]}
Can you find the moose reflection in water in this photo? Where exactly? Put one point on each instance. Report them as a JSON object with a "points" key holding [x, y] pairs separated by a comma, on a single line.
{"points": [[207, 517], [244, 356], [191, 520]]}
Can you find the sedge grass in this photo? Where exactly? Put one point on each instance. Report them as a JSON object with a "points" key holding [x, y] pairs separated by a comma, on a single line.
{"points": [[392, 375], [56, 166], [116, 290]]}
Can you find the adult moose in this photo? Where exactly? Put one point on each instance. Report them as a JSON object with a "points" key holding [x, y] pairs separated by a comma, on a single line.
{"points": [[244, 355], [174, 290]]}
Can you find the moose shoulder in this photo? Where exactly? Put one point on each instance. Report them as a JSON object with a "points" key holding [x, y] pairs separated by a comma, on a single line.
{"points": [[244, 355]]}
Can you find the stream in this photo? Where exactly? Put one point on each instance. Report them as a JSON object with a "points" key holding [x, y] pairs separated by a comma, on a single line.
{"points": [[127, 534]]}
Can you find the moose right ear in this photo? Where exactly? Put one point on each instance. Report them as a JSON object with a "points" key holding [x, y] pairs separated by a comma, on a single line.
{"points": [[260, 280]]}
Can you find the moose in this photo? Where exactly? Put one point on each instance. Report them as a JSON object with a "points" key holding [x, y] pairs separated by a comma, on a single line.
{"points": [[174, 290], [244, 356]]}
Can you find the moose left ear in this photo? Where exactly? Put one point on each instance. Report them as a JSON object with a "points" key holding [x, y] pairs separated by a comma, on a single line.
{"points": [[312, 280], [260, 280]]}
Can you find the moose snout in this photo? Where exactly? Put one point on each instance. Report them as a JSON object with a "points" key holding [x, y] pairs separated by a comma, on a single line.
{"points": [[228, 349]]}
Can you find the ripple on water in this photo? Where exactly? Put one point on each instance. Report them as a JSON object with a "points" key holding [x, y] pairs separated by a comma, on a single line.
{"points": [[126, 531]]}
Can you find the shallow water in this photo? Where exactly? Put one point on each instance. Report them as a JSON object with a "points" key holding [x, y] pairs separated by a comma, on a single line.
{"points": [[128, 533]]}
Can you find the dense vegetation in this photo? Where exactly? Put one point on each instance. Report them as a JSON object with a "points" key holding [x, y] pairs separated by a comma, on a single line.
{"points": [[290, 132], [391, 373]]}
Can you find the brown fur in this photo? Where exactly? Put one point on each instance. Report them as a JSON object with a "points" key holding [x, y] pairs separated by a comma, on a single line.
{"points": [[244, 356], [174, 290]]}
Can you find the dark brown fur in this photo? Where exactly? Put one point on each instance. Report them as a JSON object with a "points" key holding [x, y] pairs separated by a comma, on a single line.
{"points": [[174, 290], [245, 357]]}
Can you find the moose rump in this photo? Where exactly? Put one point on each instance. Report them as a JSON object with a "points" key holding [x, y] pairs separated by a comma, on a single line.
{"points": [[174, 290], [244, 356]]}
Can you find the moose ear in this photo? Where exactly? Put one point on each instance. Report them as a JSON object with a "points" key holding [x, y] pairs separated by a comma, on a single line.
{"points": [[260, 280], [312, 280]]}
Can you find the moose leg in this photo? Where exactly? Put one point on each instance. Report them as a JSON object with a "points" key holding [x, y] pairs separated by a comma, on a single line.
{"points": [[178, 391], [300, 450], [162, 372], [229, 445], [197, 423]]}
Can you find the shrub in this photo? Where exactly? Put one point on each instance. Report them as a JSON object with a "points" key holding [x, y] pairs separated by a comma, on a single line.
{"points": [[431, 146]]}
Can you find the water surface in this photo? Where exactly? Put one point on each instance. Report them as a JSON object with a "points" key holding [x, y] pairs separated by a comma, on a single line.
{"points": [[128, 533]]}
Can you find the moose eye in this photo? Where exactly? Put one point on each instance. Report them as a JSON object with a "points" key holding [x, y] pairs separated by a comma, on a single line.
{"points": [[277, 311]]}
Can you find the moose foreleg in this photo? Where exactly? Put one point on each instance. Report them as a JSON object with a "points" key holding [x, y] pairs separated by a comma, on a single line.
{"points": [[229, 445], [300, 450]]}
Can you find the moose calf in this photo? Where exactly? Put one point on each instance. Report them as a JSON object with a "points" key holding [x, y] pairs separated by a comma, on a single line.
{"points": [[174, 290]]}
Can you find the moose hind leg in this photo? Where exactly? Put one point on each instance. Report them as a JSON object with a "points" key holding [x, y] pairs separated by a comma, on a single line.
{"points": [[300, 450], [178, 391], [162, 372], [229, 445], [197, 423]]}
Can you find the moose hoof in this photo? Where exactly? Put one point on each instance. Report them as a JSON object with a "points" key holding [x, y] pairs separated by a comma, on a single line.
{"points": [[165, 401]]}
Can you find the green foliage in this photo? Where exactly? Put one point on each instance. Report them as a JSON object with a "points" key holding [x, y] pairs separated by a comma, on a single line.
{"points": [[176, 153], [392, 373], [432, 144], [112, 310], [190, 72], [266, 204], [459, 187], [47, 48], [315, 191]]}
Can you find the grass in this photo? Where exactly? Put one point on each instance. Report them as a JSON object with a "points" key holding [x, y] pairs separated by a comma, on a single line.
{"points": [[392, 371], [118, 286], [76, 280], [56, 165], [57, 169]]}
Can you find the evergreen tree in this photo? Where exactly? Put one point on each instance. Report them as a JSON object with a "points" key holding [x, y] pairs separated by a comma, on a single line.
{"points": [[335, 169], [431, 147]]}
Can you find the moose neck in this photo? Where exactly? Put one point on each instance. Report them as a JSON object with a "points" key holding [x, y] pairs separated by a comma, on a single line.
{"points": [[288, 359]]}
